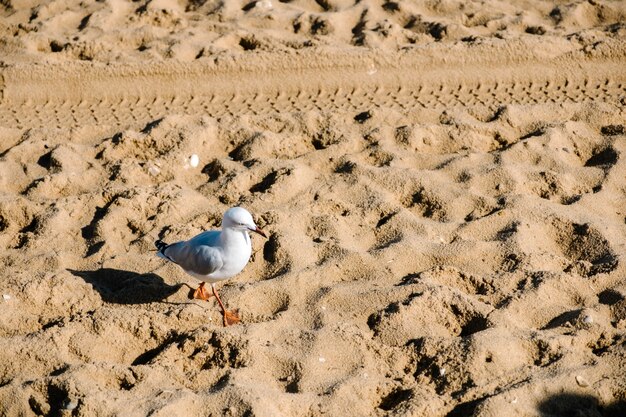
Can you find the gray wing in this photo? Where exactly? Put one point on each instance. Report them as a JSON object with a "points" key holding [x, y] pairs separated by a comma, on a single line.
{"points": [[200, 259], [209, 238]]}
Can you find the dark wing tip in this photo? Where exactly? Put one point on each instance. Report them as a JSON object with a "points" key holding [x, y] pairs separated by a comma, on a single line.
{"points": [[160, 245]]}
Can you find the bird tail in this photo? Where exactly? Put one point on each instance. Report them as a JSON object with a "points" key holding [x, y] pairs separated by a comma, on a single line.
{"points": [[161, 246]]}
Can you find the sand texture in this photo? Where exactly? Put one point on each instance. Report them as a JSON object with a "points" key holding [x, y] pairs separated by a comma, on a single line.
{"points": [[443, 184]]}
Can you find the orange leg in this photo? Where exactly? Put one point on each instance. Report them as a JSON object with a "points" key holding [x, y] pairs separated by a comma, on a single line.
{"points": [[230, 317], [201, 293]]}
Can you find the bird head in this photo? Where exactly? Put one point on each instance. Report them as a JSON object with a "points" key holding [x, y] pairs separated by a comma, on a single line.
{"points": [[240, 219]]}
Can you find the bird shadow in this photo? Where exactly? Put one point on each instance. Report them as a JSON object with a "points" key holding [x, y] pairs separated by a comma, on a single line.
{"points": [[125, 287], [574, 404]]}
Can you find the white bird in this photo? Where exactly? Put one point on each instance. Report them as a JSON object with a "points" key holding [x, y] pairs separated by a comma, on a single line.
{"points": [[215, 255]]}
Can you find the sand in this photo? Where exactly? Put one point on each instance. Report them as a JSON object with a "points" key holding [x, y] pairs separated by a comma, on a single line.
{"points": [[443, 182]]}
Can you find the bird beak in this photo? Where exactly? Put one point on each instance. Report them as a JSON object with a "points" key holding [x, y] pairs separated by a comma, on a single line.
{"points": [[259, 231]]}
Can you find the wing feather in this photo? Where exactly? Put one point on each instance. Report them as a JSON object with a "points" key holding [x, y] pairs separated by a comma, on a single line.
{"points": [[199, 259]]}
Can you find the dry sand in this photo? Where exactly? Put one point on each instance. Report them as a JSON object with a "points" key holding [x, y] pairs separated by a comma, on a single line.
{"points": [[444, 183]]}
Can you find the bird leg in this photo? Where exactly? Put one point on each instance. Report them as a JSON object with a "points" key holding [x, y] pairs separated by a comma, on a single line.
{"points": [[201, 292], [230, 317]]}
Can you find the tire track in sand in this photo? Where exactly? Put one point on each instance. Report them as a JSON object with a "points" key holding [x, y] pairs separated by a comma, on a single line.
{"points": [[123, 95]]}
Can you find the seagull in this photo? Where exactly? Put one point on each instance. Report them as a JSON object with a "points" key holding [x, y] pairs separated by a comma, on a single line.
{"points": [[215, 255]]}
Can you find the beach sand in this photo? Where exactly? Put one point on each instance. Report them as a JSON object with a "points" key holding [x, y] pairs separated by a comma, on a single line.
{"points": [[443, 184]]}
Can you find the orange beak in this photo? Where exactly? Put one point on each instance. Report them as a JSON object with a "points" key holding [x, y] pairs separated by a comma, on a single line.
{"points": [[259, 231]]}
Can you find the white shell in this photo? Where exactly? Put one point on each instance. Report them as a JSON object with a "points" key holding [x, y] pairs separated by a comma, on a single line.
{"points": [[581, 381], [153, 170], [194, 160], [264, 5]]}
